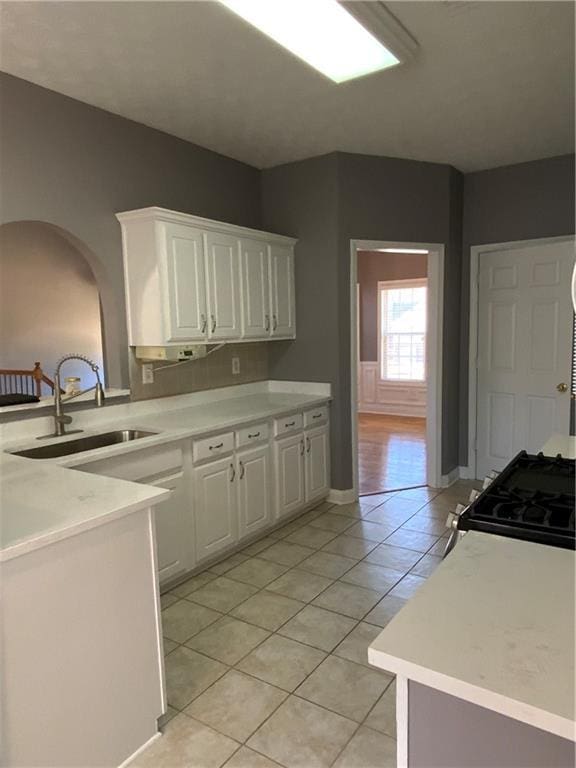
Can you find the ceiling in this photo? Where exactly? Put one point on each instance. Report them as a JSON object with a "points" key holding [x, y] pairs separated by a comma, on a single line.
{"points": [[491, 84]]}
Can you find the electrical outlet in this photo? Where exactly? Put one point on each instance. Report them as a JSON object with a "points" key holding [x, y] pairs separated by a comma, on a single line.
{"points": [[235, 366], [147, 373]]}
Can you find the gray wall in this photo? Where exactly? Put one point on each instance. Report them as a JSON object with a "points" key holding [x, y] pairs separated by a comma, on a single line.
{"points": [[515, 202], [301, 200], [73, 166], [375, 267], [327, 201]]}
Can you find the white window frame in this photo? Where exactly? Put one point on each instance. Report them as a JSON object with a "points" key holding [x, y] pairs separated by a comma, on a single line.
{"points": [[420, 282]]}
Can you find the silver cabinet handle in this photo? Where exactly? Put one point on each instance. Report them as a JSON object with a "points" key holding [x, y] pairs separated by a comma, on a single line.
{"points": [[301, 447], [256, 434], [213, 323], [215, 447], [204, 321], [290, 424], [274, 322], [317, 416], [232, 473], [267, 323], [308, 445], [242, 470]]}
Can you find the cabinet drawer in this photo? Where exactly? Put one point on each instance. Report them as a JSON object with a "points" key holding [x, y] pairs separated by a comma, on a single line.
{"points": [[138, 464], [288, 424], [253, 434], [211, 447], [316, 416]]}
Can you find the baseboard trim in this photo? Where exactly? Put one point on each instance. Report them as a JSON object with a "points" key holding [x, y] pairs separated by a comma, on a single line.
{"points": [[336, 496], [466, 473], [449, 479], [392, 409], [141, 749]]}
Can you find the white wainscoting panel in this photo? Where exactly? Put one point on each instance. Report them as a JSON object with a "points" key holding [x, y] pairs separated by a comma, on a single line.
{"points": [[375, 396]]}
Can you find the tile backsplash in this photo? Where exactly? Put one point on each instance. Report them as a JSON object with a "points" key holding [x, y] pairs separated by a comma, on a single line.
{"points": [[209, 372]]}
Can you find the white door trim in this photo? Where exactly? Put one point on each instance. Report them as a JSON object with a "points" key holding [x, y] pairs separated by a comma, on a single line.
{"points": [[433, 352], [476, 252]]}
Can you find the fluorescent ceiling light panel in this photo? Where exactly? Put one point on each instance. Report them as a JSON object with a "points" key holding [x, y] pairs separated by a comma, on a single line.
{"points": [[320, 32], [401, 250]]}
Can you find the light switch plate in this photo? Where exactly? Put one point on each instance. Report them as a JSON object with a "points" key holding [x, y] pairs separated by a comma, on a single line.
{"points": [[235, 366]]}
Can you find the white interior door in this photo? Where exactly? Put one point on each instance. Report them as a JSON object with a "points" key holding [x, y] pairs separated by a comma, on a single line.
{"points": [[524, 346]]}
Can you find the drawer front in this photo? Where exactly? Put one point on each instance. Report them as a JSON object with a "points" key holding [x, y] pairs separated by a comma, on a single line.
{"points": [[212, 447], [287, 424], [138, 465], [316, 416], [253, 434]]}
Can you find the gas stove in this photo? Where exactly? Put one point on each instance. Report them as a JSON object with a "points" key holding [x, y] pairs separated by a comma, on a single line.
{"points": [[531, 499]]}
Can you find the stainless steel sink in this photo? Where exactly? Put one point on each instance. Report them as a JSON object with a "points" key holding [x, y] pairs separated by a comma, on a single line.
{"points": [[88, 443]]}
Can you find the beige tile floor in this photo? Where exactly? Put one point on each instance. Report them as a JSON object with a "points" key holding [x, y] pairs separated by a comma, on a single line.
{"points": [[266, 651]]}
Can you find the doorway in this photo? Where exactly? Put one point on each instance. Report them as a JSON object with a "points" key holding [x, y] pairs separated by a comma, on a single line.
{"points": [[521, 325], [396, 295]]}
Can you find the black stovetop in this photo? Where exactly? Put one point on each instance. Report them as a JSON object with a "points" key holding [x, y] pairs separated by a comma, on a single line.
{"points": [[531, 499]]}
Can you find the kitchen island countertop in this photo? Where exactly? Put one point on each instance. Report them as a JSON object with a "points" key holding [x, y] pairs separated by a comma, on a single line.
{"points": [[494, 625]]}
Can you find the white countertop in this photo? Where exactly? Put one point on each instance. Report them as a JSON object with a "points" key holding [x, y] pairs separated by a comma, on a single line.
{"points": [[494, 625], [562, 444], [44, 500]]}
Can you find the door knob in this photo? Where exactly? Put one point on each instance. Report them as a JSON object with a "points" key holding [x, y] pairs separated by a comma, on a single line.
{"points": [[562, 387]]}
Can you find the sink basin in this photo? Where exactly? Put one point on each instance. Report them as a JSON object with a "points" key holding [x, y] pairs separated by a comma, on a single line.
{"points": [[87, 443]]}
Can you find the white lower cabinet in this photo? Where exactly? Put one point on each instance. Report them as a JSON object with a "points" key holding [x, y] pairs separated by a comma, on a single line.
{"points": [[289, 470], [317, 463], [172, 519], [254, 481], [215, 507]]}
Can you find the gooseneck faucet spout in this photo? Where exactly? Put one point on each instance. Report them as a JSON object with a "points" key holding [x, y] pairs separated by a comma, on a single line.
{"points": [[60, 419]]}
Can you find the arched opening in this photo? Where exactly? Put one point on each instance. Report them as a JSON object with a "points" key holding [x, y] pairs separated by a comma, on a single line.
{"points": [[50, 302]]}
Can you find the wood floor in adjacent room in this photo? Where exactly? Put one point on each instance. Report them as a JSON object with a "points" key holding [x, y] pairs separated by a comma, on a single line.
{"points": [[391, 452]]}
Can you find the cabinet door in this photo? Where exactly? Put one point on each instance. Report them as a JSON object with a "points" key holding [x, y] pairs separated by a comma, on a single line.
{"points": [[317, 463], [282, 291], [254, 497], [186, 307], [289, 475], [215, 507], [256, 320], [172, 518], [223, 273]]}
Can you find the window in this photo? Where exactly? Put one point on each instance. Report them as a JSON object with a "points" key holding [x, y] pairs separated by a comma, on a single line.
{"points": [[402, 313]]}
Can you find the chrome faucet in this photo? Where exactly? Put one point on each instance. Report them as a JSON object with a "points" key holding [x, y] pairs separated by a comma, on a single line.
{"points": [[60, 419]]}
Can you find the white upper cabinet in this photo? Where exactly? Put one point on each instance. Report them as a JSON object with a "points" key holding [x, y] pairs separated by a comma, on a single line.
{"points": [[222, 268], [186, 306], [189, 279], [254, 265], [282, 291]]}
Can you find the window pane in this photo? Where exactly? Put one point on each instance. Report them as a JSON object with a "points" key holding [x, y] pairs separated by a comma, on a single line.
{"points": [[403, 333]]}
